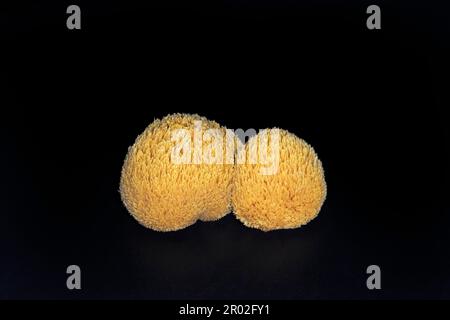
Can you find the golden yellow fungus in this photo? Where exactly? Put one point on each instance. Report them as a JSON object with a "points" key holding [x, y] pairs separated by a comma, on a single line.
{"points": [[290, 197], [169, 181]]}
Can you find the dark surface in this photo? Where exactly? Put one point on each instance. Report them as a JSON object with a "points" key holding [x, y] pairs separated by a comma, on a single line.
{"points": [[372, 103]]}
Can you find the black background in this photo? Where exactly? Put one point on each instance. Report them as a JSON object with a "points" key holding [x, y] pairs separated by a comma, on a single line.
{"points": [[372, 103]]}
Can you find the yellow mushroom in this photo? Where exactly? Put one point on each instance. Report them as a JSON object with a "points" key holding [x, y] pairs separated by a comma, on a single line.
{"points": [[168, 179], [289, 196]]}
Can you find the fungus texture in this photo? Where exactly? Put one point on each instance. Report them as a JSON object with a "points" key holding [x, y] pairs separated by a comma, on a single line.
{"points": [[290, 197], [167, 182]]}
